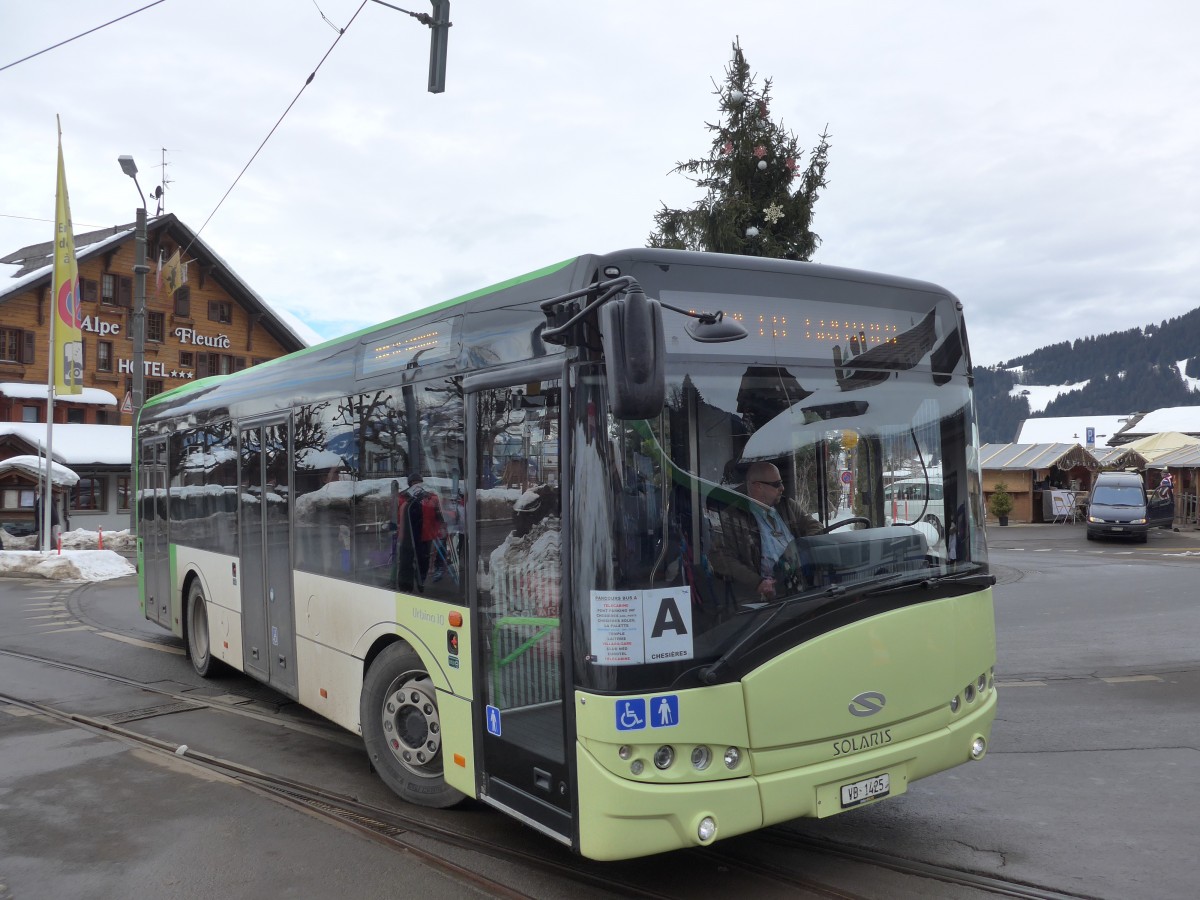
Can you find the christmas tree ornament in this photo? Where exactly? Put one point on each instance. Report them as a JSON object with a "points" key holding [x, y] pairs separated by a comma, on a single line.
{"points": [[736, 97], [727, 147], [751, 232], [773, 213], [762, 165], [760, 151]]}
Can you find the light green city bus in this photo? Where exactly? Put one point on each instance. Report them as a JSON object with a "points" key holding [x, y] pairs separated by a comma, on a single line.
{"points": [[606, 546]]}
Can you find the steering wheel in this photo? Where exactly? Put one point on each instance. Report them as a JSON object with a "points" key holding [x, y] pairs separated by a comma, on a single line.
{"points": [[854, 520]]}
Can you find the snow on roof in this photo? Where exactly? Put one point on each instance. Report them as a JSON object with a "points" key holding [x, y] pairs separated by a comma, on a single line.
{"points": [[21, 282], [21, 391], [1070, 429], [78, 445], [1185, 419], [35, 467]]}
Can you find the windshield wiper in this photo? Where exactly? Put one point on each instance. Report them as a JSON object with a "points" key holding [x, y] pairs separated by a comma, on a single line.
{"points": [[905, 580], [710, 674]]}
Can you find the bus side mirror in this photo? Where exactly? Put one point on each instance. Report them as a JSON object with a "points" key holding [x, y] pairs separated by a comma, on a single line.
{"points": [[632, 330]]}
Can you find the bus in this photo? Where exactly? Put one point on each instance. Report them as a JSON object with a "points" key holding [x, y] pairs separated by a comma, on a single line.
{"points": [[517, 542]]}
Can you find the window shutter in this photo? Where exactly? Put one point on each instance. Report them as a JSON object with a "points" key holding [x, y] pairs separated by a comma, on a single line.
{"points": [[89, 290], [202, 364], [125, 292], [183, 301], [27, 346], [239, 363]]}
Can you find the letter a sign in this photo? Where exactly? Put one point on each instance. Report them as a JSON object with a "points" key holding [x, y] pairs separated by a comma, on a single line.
{"points": [[667, 619]]}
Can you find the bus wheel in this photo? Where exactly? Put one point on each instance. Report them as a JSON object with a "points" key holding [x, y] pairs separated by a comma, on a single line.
{"points": [[199, 643], [401, 728]]}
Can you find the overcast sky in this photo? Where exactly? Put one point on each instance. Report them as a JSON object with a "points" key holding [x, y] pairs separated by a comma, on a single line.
{"points": [[1038, 159]]}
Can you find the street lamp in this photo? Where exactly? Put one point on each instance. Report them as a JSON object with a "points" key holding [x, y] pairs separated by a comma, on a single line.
{"points": [[129, 167]]}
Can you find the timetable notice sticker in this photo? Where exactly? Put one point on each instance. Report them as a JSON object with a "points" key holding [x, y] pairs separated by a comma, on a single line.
{"points": [[633, 627], [617, 628]]}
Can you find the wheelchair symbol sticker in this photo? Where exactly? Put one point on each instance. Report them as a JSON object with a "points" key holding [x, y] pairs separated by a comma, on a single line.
{"points": [[631, 715]]}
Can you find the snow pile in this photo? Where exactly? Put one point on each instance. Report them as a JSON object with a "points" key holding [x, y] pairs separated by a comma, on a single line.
{"points": [[71, 565], [82, 539], [79, 539], [526, 572]]}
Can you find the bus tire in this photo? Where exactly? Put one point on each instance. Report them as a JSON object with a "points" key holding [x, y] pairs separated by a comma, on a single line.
{"points": [[401, 728], [199, 639]]}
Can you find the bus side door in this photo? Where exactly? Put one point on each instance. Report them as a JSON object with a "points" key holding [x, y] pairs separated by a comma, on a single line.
{"points": [[265, 542], [518, 526], [153, 512]]}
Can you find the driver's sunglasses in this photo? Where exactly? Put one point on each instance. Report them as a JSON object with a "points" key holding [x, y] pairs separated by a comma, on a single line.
{"points": [[774, 484]]}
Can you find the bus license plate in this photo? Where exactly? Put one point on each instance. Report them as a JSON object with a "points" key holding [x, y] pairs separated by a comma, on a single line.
{"points": [[867, 789]]}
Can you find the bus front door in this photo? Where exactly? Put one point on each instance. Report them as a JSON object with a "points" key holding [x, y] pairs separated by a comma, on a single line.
{"points": [[264, 531], [518, 528], [153, 509]]}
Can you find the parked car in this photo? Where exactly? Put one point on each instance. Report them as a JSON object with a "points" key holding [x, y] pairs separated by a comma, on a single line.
{"points": [[1119, 507]]}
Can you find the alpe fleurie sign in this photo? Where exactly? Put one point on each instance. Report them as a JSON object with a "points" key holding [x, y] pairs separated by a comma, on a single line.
{"points": [[190, 336]]}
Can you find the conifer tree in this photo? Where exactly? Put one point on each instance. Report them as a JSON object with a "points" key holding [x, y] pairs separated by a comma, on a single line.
{"points": [[759, 196]]}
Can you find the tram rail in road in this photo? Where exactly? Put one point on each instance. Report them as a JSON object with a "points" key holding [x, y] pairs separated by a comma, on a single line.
{"points": [[434, 845], [444, 848]]}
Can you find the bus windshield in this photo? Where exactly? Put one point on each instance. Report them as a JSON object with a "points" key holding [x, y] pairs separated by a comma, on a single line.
{"points": [[776, 491]]}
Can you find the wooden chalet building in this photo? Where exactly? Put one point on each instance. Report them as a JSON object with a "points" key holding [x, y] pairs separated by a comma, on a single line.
{"points": [[213, 324]]}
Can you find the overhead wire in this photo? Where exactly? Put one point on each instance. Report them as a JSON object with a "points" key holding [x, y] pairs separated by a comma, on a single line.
{"points": [[307, 82], [78, 36]]}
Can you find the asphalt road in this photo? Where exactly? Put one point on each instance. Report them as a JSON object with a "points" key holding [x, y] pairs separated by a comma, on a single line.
{"points": [[1090, 787]]}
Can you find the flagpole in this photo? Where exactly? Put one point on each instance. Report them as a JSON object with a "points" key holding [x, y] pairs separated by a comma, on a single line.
{"points": [[48, 490]]}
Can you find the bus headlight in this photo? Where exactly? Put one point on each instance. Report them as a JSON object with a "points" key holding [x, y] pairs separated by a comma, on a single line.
{"points": [[954, 703], [978, 748], [707, 829], [733, 756], [664, 756], [701, 757]]}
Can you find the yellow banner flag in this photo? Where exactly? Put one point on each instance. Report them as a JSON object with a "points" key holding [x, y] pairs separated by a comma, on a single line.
{"points": [[68, 316], [173, 273]]}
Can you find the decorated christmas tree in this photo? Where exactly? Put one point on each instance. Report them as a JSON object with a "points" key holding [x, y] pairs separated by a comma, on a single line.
{"points": [[759, 195]]}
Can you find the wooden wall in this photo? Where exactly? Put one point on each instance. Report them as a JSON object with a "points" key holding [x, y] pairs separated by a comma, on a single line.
{"points": [[30, 311]]}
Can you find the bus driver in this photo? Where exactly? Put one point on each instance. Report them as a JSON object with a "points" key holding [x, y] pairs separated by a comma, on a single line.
{"points": [[752, 541]]}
